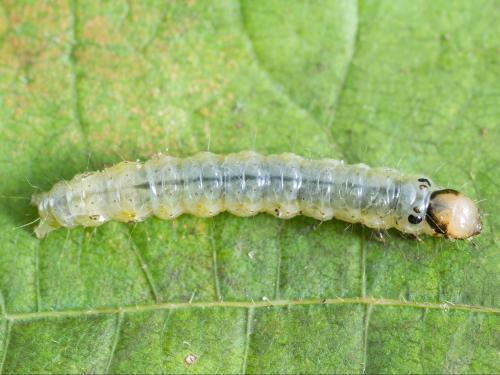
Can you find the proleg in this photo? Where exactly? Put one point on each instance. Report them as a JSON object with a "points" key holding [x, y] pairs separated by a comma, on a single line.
{"points": [[247, 183]]}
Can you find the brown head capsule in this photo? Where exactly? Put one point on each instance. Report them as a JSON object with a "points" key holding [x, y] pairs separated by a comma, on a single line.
{"points": [[452, 215]]}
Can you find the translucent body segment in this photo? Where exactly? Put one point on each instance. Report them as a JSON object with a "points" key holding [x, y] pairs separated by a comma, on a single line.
{"points": [[353, 192], [164, 181], [124, 201], [285, 182], [59, 200], [319, 189], [379, 198], [84, 195], [203, 184], [244, 184]]}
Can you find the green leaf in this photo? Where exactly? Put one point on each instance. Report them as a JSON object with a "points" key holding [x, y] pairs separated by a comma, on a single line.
{"points": [[406, 84]]}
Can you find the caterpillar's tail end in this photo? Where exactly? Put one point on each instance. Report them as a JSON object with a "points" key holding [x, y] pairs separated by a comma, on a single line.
{"points": [[44, 228], [47, 221], [36, 199]]}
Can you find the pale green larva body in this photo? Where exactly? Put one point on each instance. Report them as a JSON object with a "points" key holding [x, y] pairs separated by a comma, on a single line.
{"points": [[245, 184]]}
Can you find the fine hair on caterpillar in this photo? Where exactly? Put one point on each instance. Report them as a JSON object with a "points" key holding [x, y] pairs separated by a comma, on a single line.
{"points": [[247, 183]]}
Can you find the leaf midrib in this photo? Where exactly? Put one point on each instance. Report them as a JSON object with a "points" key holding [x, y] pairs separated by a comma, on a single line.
{"points": [[368, 301]]}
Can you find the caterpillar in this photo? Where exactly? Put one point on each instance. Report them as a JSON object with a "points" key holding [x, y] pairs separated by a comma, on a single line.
{"points": [[247, 183]]}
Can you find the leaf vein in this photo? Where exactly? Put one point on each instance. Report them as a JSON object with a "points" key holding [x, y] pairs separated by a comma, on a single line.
{"points": [[116, 338], [145, 269], [254, 304], [284, 94], [6, 344], [215, 266], [38, 295], [347, 68], [366, 323], [278, 265], [249, 327], [76, 97]]}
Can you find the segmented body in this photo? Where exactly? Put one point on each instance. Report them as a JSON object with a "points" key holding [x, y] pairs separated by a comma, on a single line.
{"points": [[244, 184]]}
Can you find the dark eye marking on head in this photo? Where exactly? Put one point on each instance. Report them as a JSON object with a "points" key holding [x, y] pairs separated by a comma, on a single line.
{"points": [[423, 179], [415, 219]]}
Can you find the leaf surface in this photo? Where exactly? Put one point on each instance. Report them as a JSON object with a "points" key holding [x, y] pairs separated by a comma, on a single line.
{"points": [[409, 84]]}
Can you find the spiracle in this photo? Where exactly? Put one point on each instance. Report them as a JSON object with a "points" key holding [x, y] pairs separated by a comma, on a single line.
{"points": [[247, 183]]}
